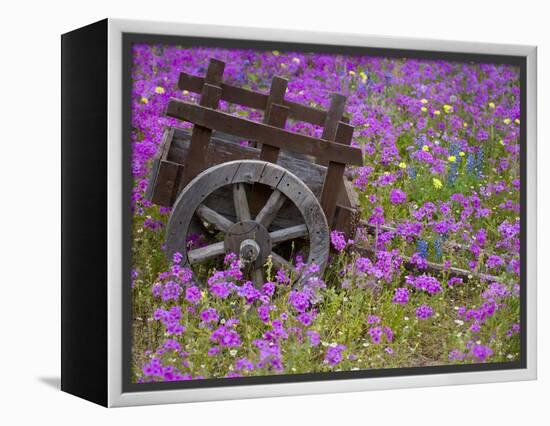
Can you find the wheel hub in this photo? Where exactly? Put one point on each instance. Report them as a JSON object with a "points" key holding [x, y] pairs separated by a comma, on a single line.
{"points": [[250, 240]]}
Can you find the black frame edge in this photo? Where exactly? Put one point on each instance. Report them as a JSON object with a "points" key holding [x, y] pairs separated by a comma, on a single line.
{"points": [[84, 212]]}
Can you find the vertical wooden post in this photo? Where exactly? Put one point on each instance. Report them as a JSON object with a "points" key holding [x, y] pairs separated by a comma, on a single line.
{"points": [[210, 97], [275, 115], [335, 174], [276, 96], [334, 117]]}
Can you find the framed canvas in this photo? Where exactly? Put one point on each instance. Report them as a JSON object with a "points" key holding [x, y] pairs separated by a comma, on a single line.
{"points": [[252, 213]]}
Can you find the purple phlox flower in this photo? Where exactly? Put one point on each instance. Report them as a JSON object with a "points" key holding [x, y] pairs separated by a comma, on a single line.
{"points": [[226, 337], [397, 196], [338, 240], [193, 295], [244, 364], [426, 283], [424, 312], [209, 315], [373, 319], [494, 262], [299, 300], [401, 296], [249, 292], [314, 337], [419, 261], [334, 356], [171, 291], [481, 352], [282, 277]]}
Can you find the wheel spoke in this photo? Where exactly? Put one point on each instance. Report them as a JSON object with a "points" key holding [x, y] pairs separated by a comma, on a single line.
{"points": [[213, 217], [290, 233], [205, 253], [241, 203], [281, 262], [257, 277], [271, 207]]}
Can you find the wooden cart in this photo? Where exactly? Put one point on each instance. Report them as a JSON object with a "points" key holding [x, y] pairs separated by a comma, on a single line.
{"points": [[286, 190]]}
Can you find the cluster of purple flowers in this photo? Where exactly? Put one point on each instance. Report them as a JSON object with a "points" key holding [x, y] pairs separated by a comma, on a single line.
{"points": [[426, 283]]}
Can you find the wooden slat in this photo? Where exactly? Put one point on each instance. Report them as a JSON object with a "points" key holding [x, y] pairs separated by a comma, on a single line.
{"points": [[210, 97], [165, 186], [276, 96], [277, 118], [251, 99], [334, 116], [335, 174], [348, 213], [252, 130]]}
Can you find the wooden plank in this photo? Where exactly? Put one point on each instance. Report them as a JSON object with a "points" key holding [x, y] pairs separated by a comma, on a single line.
{"points": [[210, 97], [276, 96], [224, 148], [166, 183], [161, 154], [277, 118], [252, 130], [348, 213], [251, 99], [335, 174], [334, 116]]}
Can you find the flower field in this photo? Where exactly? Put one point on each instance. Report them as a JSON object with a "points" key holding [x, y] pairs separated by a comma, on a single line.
{"points": [[439, 189]]}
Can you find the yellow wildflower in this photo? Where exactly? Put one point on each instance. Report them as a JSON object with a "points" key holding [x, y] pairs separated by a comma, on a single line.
{"points": [[423, 101], [159, 90], [501, 142], [275, 53], [363, 77], [437, 183], [491, 105], [425, 148], [465, 124], [437, 112], [448, 108], [451, 158], [423, 109], [352, 73], [462, 153], [283, 65], [516, 121], [507, 121], [144, 100], [402, 165]]}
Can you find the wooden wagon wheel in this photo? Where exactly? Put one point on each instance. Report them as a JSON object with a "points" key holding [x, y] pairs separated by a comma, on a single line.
{"points": [[248, 237]]}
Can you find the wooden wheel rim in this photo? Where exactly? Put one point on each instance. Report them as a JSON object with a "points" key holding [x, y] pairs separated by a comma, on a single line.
{"points": [[248, 171]]}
